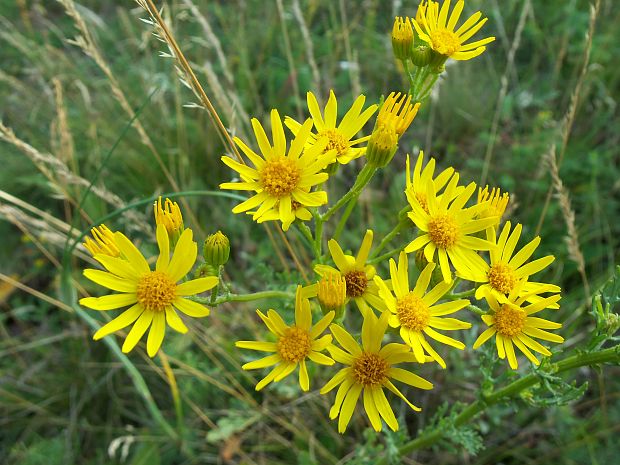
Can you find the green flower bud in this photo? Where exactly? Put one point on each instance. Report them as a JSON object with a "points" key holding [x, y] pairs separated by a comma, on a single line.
{"points": [[216, 249], [421, 55], [382, 146]]}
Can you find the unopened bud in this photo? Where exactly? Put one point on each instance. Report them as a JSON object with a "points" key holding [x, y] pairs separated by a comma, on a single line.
{"points": [[216, 249], [402, 37], [382, 146], [421, 55], [331, 291]]}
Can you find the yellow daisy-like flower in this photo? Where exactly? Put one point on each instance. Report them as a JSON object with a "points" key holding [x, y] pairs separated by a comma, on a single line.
{"points": [[339, 137], [294, 345], [513, 324], [169, 214], [447, 228], [439, 31], [153, 295], [357, 274], [496, 202], [416, 183], [415, 313], [370, 369], [397, 112], [280, 177], [508, 270], [103, 242]]}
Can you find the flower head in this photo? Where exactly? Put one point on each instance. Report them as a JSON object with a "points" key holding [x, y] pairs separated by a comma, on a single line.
{"points": [[434, 27], [169, 215], [294, 344], [280, 177], [509, 271], [397, 112], [415, 311], [103, 242], [331, 292], [370, 368], [511, 323], [447, 228], [216, 249], [358, 275], [495, 201], [152, 294], [402, 37], [338, 137], [416, 182]]}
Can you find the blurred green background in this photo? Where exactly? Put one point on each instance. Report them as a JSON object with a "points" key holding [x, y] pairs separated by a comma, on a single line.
{"points": [[65, 399]]}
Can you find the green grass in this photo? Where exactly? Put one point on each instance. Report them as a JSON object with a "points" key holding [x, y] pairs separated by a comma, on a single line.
{"points": [[67, 399]]}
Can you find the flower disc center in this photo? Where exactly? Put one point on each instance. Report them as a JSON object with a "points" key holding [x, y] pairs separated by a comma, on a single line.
{"points": [[412, 312], [370, 369], [294, 346], [280, 176], [502, 278], [155, 291], [445, 42], [357, 282], [443, 231], [335, 141], [509, 320]]}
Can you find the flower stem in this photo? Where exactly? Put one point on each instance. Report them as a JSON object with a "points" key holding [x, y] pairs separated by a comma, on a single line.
{"points": [[363, 178], [427, 439], [386, 240], [244, 297]]}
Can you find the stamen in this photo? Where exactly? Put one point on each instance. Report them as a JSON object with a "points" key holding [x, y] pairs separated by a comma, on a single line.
{"points": [[156, 291], [502, 278], [357, 282], [509, 320], [294, 345], [412, 312], [335, 141], [445, 42], [280, 176], [370, 369], [443, 231]]}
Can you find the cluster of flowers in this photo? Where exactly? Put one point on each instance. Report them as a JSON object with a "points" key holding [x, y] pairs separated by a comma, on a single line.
{"points": [[455, 242]]}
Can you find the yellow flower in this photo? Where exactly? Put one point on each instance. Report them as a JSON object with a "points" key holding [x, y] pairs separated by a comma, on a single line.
{"points": [[416, 183], [397, 112], [447, 228], [438, 31], [357, 274], [496, 202], [331, 292], [280, 177], [402, 37], [508, 270], [415, 313], [370, 369], [169, 214], [103, 242], [153, 295], [294, 345], [513, 324], [339, 137]]}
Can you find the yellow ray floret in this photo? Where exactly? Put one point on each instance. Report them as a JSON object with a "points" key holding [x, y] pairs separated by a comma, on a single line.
{"points": [[337, 136], [448, 228], [280, 177], [513, 325], [369, 369], [357, 274], [509, 270], [397, 112], [294, 345], [417, 181], [152, 294], [103, 242], [417, 313], [438, 30], [496, 202]]}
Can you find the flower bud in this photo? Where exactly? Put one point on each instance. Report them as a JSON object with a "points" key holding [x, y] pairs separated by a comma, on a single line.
{"points": [[103, 242], [421, 55], [331, 291], [168, 213], [382, 146], [216, 249], [402, 37]]}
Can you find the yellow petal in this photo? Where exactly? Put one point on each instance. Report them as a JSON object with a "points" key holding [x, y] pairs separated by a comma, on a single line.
{"points": [[137, 331], [196, 286], [156, 334], [111, 281], [191, 308], [122, 321], [109, 302]]}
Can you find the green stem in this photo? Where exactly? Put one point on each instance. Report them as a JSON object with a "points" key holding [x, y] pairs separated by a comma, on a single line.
{"points": [[410, 76], [611, 354], [460, 295], [245, 297], [305, 231], [427, 89], [344, 218], [386, 255], [386, 240], [318, 239], [363, 178]]}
